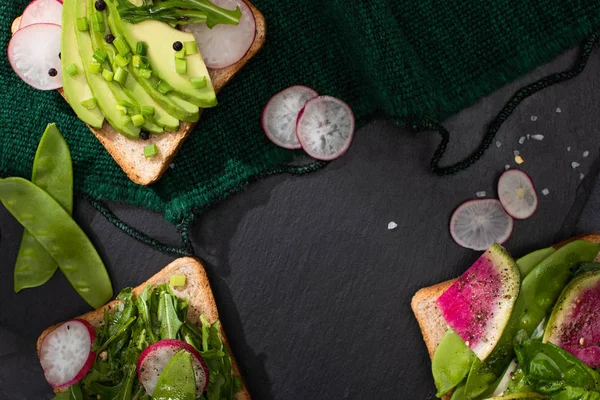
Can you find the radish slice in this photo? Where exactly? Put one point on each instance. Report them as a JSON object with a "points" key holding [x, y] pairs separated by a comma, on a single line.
{"points": [[155, 358], [517, 194], [42, 12], [33, 53], [325, 128], [224, 45], [66, 353], [280, 115], [478, 224]]}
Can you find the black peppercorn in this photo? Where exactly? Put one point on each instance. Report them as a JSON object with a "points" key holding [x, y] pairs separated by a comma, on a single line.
{"points": [[144, 135], [177, 46], [100, 5], [59, 55], [52, 72], [109, 38]]}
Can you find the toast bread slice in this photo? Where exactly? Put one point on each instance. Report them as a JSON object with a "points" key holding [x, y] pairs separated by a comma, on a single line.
{"points": [[129, 154], [432, 324], [197, 290]]}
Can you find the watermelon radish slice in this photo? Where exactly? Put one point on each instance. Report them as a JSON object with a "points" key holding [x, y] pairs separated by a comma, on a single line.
{"points": [[574, 323], [517, 194], [155, 358], [479, 303], [477, 224], [325, 128], [224, 45], [33, 53], [280, 115], [42, 12], [66, 353]]}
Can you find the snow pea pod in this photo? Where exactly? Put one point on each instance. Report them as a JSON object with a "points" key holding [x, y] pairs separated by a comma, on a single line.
{"points": [[451, 362], [530, 261], [62, 238], [52, 172], [539, 291]]}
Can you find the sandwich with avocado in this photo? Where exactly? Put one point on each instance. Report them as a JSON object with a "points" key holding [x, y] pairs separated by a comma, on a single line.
{"points": [[161, 340], [130, 71], [517, 329]]}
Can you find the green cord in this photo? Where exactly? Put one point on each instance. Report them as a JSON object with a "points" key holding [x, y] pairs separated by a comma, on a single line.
{"points": [[426, 124]]}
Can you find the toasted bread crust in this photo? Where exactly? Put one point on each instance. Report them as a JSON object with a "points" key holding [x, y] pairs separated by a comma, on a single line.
{"points": [[129, 154], [197, 290], [432, 324]]}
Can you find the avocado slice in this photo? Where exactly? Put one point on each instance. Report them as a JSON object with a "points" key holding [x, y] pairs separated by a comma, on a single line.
{"points": [[120, 93], [100, 88], [160, 38], [75, 87], [173, 105]]}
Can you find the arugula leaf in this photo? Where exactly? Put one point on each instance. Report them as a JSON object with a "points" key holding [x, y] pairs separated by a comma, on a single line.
{"points": [[144, 312], [74, 393], [170, 323], [178, 12]]}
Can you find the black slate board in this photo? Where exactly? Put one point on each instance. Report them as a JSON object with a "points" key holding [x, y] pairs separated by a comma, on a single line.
{"points": [[313, 288]]}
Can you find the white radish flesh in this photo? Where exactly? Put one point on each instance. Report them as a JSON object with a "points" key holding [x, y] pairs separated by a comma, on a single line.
{"points": [[42, 12], [517, 194], [477, 224], [66, 353], [33, 53], [280, 115], [325, 128], [224, 45], [155, 358]]}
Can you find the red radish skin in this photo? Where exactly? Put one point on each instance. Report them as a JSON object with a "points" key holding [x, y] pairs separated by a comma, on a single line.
{"points": [[155, 358], [479, 303], [320, 140], [55, 348], [280, 115], [487, 213], [42, 12], [33, 51], [517, 194], [224, 45]]}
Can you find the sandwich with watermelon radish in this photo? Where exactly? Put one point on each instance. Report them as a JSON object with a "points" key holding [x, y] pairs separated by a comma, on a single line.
{"points": [[517, 329], [161, 340]]}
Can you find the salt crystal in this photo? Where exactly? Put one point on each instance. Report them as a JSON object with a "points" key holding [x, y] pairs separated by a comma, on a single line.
{"points": [[519, 160], [392, 225], [574, 164], [586, 153], [569, 148], [558, 110], [581, 341], [522, 140], [581, 176], [506, 167], [528, 136], [498, 143], [516, 153], [172, 166], [537, 137], [533, 118], [481, 194], [545, 192]]}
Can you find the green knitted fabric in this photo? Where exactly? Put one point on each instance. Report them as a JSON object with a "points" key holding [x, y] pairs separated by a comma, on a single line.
{"points": [[392, 58]]}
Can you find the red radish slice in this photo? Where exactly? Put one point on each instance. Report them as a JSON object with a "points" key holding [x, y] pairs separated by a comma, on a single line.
{"points": [[478, 224], [325, 128], [155, 358], [42, 12], [224, 45], [280, 115], [33, 54], [66, 353], [517, 194]]}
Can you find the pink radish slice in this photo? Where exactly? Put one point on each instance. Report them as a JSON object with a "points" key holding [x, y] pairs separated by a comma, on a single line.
{"points": [[517, 194], [224, 45], [66, 353], [325, 128], [155, 358], [280, 115], [33, 53], [478, 224], [42, 12]]}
